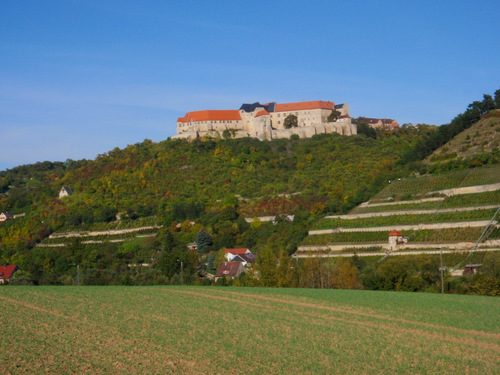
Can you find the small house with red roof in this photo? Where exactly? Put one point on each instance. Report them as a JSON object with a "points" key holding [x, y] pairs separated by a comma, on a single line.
{"points": [[396, 239], [6, 273], [229, 269], [242, 255]]}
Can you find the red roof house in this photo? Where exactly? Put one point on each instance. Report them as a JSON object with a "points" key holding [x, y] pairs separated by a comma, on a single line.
{"points": [[396, 239], [229, 269], [6, 272], [232, 253]]}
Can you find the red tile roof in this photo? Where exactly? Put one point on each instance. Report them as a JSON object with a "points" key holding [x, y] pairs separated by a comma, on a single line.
{"points": [[231, 269], [262, 113], [395, 232], [237, 251], [6, 272], [300, 106], [211, 115]]}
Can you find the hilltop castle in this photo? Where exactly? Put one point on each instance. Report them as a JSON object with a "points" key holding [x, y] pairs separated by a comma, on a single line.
{"points": [[267, 121]]}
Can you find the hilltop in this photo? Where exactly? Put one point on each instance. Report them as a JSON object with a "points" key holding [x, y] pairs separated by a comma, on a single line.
{"points": [[481, 139]]}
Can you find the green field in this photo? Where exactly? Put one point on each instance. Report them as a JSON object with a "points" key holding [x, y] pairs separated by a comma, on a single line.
{"points": [[208, 330]]}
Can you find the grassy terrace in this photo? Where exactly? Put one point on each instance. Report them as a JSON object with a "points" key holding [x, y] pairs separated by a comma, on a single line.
{"points": [[128, 236], [412, 186], [208, 330], [405, 219], [114, 225], [465, 200], [450, 235]]}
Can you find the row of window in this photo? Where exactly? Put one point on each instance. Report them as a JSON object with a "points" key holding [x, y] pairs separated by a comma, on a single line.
{"points": [[211, 122]]}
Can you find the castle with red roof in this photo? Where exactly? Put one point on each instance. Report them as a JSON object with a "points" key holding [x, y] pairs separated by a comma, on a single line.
{"points": [[267, 121]]}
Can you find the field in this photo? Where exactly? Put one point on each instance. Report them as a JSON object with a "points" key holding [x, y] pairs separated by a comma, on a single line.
{"points": [[208, 330]]}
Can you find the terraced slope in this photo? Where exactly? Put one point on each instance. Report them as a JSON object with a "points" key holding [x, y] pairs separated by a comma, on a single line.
{"points": [[92, 237], [448, 211]]}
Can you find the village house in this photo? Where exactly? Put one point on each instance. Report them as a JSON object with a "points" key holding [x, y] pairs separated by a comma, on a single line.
{"points": [[267, 121], [242, 255], [6, 273], [229, 269], [5, 216], [65, 191]]}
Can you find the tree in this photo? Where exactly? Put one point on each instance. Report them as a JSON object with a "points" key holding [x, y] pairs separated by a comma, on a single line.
{"points": [[204, 240], [497, 99], [166, 239], [488, 104], [367, 130], [334, 116], [291, 121]]}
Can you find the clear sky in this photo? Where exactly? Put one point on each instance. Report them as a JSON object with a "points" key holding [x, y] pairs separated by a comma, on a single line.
{"points": [[81, 77]]}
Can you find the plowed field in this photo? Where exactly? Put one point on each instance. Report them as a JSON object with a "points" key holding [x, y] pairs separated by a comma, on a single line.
{"points": [[207, 330]]}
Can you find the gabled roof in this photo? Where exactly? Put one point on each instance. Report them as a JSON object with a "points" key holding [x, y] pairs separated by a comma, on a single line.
{"points": [[262, 113], [68, 189], [6, 272], [249, 258], [238, 251], [211, 115], [395, 232], [231, 269], [301, 106]]}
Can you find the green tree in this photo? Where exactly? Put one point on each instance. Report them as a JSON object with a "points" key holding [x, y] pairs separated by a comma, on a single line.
{"points": [[291, 121], [333, 116], [204, 240], [166, 239], [497, 99], [367, 130]]}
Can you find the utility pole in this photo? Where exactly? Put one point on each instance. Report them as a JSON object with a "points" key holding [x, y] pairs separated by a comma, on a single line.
{"points": [[78, 274], [442, 269], [182, 271]]}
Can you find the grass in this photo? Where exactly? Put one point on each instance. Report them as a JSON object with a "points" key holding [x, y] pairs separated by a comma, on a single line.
{"points": [[203, 330]]}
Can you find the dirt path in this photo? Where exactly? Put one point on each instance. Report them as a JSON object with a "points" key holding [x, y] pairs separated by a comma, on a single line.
{"points": [[389, 328]]}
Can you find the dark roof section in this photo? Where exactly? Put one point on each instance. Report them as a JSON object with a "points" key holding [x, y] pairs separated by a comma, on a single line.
{"points": [[251, 107], [338, 106], [249, 258], [68, 189]]}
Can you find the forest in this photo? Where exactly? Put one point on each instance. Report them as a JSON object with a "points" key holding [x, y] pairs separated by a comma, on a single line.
{"points": [[202, 191]]}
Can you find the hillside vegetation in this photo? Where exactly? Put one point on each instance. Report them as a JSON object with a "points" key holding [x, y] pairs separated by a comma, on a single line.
{"points": [[134, 210]]}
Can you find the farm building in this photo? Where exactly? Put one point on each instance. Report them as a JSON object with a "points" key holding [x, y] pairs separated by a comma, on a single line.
{"points": [[471, 269], [6, 273]]}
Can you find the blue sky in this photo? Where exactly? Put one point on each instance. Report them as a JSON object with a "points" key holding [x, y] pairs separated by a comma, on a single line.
{"points": [[79, 78]]}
